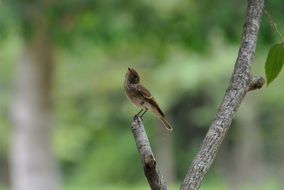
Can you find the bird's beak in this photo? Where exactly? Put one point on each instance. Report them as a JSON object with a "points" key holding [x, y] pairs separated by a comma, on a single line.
{"points": [[129, 69]]}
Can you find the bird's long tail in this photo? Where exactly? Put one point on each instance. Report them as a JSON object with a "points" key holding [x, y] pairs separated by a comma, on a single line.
{"points": [[166, 123]]}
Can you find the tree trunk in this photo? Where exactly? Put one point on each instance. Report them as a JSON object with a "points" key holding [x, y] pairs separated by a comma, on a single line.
{"points": [[32, 163]]}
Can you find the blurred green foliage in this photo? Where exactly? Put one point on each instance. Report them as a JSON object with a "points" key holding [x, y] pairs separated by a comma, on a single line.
{"points": [[110, 22], [189, 46]]}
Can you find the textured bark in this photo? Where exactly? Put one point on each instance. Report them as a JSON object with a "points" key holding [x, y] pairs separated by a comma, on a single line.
{"points": [[151, 170], [241, 82], [33, 166]]}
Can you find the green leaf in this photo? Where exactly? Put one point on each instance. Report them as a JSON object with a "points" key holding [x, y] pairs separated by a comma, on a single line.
{"points": [[274, 62]]}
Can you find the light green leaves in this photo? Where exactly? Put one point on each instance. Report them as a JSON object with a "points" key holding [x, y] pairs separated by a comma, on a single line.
{"points": [[274, 62]]}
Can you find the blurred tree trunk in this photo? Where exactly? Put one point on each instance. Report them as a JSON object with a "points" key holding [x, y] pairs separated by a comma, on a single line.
{"points": [[246, 164], [164, 152], [247, 154], [32, 163]]}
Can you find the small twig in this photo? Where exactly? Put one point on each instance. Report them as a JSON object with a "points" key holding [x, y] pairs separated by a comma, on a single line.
{"points": [[255, 83], [151, 170], [273, 25]]}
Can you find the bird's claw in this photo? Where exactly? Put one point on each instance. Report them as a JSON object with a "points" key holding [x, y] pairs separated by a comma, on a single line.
{"points": [[136, 117]]}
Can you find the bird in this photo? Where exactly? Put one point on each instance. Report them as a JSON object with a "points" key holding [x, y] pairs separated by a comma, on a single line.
{"points": [[142, 98]]}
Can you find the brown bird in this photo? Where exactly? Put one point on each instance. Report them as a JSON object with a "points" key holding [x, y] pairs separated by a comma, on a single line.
{"points": [[142, 98]]}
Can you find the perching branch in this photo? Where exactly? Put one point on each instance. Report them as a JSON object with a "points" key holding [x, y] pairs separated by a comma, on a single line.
{"points": [[241, 82], [151, 170]]}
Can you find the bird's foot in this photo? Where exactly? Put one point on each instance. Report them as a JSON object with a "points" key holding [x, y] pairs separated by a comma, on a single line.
{"points": [[136, 117]]}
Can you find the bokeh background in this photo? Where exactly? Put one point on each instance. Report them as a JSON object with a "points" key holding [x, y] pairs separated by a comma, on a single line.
{"points": [[64, 116]]}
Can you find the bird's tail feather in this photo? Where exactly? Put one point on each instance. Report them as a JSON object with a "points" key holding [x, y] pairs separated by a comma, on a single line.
{"points": [[166, 123]]}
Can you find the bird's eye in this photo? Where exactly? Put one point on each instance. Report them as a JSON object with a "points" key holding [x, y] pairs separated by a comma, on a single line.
{"points": [[136, 77]]}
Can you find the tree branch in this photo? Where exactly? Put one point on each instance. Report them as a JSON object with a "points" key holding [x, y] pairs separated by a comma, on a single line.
{"points": [[151, 170], [241, 82]]}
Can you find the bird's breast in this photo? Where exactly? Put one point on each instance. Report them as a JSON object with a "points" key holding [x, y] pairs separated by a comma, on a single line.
{"points": [[136, 98]]}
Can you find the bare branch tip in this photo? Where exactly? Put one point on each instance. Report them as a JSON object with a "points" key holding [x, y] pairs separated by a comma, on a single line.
{"points": [[137, 121]]}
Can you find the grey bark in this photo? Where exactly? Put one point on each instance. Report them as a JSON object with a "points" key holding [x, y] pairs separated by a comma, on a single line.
{"points": [[241, 82], [151, 170], [32, 163]]}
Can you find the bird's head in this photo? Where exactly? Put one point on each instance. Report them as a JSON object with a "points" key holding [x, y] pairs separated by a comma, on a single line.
{"points": [[132, 76]]}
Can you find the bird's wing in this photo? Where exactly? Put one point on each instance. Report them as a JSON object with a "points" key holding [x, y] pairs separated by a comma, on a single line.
{"points": [[144, 92], [147, 95]]}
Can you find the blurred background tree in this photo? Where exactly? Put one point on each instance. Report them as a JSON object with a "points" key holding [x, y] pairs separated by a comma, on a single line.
{"points": [[67, 61]]}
